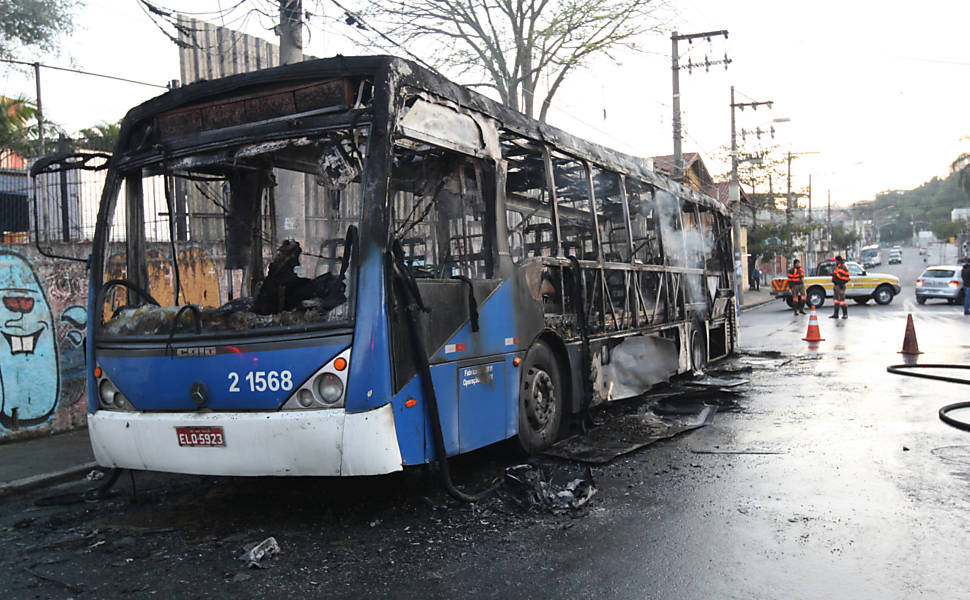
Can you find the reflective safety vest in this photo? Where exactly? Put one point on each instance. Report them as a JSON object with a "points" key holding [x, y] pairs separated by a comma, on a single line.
{"points": [[840, 274], [796, 275]]}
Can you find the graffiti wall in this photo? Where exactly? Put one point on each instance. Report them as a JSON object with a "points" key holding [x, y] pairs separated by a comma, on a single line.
{"points": [[43, 315]]}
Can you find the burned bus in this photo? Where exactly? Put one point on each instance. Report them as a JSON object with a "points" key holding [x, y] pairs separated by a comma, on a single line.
{"points": [[403, 270]]}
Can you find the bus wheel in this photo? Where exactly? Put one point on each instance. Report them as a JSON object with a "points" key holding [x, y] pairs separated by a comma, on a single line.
{"points": [[540, 399], [698, 354], [789, 302]]}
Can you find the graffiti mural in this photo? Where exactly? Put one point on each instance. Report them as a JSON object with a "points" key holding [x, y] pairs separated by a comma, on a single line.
{"points": [[43, 320], [29, 375]]}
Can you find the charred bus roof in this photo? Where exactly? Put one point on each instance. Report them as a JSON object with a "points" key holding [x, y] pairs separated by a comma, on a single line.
{"points": [[309, 96]]}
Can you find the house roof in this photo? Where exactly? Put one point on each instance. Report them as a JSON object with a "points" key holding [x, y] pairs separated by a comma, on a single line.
{"points": [[665, 164], [722, 192]]}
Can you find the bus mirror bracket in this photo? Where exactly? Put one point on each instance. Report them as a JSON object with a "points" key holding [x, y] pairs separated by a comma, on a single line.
{"points": [[62, 162]]}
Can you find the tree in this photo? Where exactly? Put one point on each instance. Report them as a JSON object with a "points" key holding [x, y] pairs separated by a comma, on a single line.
{"points": [[15, 113], [755, 170], [961, 168], [34, 24], [944, 229], [516, 44], [842, 238], [100, 137]]}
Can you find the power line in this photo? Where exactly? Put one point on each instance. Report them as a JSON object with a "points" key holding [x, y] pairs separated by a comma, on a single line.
{"points": [[116, 78]]}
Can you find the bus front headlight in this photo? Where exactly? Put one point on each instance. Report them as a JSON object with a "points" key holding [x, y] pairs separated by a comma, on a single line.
{"points": [[111, 397], [329, 387], [323, 389]]}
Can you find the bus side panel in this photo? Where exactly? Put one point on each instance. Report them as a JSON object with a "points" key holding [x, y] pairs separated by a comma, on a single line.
{"points": [[445, 378], [410, 422], [369, 383], [481, 404], [497, 329]]}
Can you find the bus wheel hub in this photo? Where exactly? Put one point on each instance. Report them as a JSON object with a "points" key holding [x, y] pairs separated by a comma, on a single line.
{"points": [[541, 400]]}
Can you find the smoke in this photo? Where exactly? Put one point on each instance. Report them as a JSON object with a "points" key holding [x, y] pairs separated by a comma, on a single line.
{"points": [[683, 246]]}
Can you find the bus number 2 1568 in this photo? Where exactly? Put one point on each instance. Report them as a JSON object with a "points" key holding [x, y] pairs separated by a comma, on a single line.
{"points": [[260, 381]]}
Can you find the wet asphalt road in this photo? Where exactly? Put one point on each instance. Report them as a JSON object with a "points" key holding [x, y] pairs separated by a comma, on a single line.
{"points": [[831, 479]]}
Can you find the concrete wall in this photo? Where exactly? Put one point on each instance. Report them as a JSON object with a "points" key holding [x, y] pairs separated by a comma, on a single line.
{"points": [[43, 315]]}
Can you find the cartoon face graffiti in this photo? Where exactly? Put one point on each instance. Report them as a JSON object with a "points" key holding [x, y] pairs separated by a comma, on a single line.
{"points": [[29, 381]]}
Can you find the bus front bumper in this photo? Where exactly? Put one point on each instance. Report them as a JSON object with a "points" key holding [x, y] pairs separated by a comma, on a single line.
{"points": [[318, 442]]}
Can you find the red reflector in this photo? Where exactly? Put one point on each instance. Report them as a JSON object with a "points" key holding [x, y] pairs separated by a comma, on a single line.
{"points": [[516, 361], [97, 371], [340, 364], [410, 403]]}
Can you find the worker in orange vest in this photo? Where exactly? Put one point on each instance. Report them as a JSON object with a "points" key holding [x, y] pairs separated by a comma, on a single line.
{"points": [[796, 285], [840, 279]]}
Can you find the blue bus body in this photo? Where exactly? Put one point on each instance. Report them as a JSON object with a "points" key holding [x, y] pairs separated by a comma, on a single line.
{"points": [[611, 279]]}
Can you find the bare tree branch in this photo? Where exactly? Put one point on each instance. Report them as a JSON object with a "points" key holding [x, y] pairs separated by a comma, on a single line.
{"points": [[512, 45]]}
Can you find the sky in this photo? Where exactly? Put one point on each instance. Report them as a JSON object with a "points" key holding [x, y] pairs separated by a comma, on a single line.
{"points": [[868, 99]]}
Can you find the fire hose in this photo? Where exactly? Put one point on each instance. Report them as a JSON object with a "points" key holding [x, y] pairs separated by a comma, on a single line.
{"points": [[944, 413]]}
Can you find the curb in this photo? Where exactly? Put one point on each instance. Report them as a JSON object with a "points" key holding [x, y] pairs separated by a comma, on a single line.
{"points": [[44, 479], [747, 307]]}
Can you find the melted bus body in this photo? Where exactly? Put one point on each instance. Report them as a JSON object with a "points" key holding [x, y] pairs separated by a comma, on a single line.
{"points": [[270, 246]]}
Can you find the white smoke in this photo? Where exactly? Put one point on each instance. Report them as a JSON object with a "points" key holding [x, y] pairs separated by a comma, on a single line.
{"points": [[683, 247]]}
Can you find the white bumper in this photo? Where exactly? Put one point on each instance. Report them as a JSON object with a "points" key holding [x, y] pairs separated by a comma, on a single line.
{"points": [[319, 442]]}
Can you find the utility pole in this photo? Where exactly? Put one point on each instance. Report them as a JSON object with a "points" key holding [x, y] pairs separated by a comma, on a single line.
{"points": [[677, 171], [788, 209], [828, 221], [811, 248], [290, 200], [735, 188]]}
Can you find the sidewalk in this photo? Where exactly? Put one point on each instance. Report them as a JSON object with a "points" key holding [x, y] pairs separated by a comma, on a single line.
{"points": [[751, 299], [43, 461]]}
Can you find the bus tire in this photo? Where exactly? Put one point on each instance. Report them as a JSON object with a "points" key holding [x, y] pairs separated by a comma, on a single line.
{"points": [[816, 296], [540, 399], [861, 299], [698, 350], [883, 294], [789, 302]]}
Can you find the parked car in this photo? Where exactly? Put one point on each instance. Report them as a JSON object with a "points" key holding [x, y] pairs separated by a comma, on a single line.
{"points": [[940, 281], [863, 285]]}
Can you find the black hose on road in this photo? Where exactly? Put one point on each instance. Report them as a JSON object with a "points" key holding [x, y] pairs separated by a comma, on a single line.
{"points": [[945, 410]]}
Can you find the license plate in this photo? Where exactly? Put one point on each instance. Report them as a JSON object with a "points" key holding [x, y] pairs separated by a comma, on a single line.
{"points": [[201, 436]]}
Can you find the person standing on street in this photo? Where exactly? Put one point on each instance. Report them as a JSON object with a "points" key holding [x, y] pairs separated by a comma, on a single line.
{"points": [[840, 279], [796, 285], [965, 275]]}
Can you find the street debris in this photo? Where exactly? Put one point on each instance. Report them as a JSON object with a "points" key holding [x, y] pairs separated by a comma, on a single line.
{"points": [[625, 434], [531, 488], [258, 552], [715, 382]]}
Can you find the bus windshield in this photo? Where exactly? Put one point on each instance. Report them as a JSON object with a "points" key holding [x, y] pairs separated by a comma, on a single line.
{"points": [[251, 236]]}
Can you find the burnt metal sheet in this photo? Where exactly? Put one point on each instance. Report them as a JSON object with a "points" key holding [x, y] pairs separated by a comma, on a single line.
{"points": [[626, 434], [716, 382]]}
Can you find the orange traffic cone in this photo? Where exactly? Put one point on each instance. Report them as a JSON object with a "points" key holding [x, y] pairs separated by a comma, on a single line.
{"points": [[813, 334], [909, 340]]}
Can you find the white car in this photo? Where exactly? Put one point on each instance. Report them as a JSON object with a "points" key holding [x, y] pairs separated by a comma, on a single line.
{"points": [[940, 281]]}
